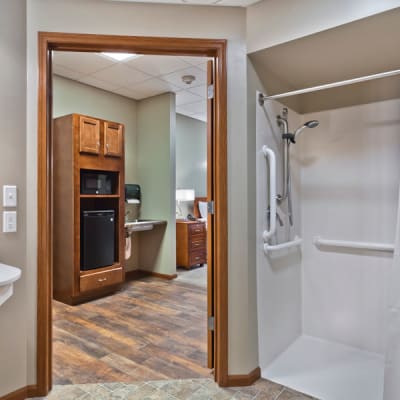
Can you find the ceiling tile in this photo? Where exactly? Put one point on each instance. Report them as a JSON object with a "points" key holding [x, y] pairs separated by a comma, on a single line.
{"points": [[200, 62], [199, 91], [90, 80], [176, 77], [121, 75], [158, 65], [185, 97], [148, 88], [65, 72], [83, 63]]}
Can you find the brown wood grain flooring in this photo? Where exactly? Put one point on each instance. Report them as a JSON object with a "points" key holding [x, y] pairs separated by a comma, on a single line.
{"points": [[151, 329]]}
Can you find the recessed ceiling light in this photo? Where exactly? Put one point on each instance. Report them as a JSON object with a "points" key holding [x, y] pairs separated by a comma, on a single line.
{"points": [[120, 56]]}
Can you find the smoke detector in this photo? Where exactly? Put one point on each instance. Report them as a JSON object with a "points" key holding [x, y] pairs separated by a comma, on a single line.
{"points": [[188, 79]]}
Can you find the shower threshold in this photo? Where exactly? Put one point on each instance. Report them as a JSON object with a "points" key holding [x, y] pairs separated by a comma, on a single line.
{"points": [[328, 370]]}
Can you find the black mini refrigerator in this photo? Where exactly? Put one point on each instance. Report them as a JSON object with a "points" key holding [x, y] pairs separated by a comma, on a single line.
{"points": [[97, 239]]}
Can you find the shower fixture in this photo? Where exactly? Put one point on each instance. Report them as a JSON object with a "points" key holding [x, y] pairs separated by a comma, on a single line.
{"points": [[288, 138]]}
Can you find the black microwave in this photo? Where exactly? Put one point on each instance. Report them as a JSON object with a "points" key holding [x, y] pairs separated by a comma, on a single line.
{"points": [[98, 182]]}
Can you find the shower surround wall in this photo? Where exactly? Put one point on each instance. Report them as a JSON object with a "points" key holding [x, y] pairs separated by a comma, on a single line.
{"points": [[278, 282], [347, 189]]}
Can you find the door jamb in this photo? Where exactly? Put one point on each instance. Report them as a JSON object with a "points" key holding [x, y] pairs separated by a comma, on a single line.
{"points": [[215, 48]]}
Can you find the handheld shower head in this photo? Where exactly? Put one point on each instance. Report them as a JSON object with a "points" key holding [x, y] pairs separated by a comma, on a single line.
{"points": [[312, 124], [309, 124]]}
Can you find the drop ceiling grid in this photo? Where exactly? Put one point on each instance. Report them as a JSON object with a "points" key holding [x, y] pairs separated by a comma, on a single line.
{"points": [[140, 77]]}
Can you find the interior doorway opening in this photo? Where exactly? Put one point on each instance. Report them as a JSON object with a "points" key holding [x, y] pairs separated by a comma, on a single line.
{"points": [[217, 143], [130, 320]]}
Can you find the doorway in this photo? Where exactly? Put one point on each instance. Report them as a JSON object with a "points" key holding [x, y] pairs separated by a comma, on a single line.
{"points": [[216, 181]]}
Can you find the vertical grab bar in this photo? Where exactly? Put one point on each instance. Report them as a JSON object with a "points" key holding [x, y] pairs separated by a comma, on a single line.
{"points": [[270, 156]]}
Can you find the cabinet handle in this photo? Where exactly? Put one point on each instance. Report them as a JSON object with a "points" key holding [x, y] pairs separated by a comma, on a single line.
{"points": [[197, 258], [107, 146], [101, 279], [98, 144], [197, 230]]}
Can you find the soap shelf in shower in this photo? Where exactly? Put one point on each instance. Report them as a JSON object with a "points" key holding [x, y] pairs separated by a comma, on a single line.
{"points": [[318, 241], [297, 241]]}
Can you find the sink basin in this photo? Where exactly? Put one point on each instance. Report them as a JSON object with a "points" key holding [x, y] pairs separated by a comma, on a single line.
{"points": [[8, 275], [142, 225]]}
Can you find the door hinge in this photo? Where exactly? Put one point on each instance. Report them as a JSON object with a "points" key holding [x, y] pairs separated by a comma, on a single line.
{"points": [[210, 207], [211, 323], [210, 92]]}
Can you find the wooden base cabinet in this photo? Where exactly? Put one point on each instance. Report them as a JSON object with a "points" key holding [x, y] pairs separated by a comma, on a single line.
{"points": [[82, 145], [191, 243]]}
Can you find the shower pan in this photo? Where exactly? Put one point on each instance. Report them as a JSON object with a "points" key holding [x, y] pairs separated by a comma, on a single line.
{"points": [[321, 305]]}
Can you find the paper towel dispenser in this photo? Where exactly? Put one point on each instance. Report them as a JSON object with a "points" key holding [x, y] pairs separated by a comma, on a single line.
{"points": [[132, 193]]}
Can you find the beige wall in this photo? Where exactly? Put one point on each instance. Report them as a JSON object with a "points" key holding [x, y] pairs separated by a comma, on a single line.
{"points": [[272, 22], [73, 97], [156, 176], [13, 325]]}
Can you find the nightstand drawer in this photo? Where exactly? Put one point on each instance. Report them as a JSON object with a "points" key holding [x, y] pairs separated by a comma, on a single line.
{"points": [[198, 242], [198, 257], [196, 229]]}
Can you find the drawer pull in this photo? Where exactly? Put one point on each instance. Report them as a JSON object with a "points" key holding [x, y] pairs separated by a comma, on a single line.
{"points": [[197, 230], [197, 258], [101, 279]]}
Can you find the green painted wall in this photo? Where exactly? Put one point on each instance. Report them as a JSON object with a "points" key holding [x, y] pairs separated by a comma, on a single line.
{"points": [[156, 175], [74, 97], [191, 154]]}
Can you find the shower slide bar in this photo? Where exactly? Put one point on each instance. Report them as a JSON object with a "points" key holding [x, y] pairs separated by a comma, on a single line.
{"points": [[318, 241], [274, 247], [365, 78], [270, 156]]}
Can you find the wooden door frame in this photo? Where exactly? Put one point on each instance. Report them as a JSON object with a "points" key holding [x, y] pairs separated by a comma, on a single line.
{"points": [[49, 41]]}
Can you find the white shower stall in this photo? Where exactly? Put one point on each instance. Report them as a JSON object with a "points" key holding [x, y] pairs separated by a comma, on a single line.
{"points": [[321, 308]]}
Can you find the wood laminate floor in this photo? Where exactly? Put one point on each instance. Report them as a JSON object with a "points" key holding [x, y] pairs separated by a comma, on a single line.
{"points": [[151, 329]]}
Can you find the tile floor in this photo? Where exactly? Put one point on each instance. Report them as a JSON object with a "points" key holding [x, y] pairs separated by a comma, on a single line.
{"points": [[195, 276], [194, 389]]}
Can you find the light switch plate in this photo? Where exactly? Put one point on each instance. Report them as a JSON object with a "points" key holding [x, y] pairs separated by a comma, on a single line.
{"points": [[9, 196], [9, 221]]}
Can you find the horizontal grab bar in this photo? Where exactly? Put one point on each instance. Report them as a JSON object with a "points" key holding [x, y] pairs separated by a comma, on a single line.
{"points": [[286, 245], [354, 245]]}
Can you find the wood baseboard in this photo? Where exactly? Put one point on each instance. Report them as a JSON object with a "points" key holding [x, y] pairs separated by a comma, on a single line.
{"points": [[22, 394], [140, 273], [243, 380]]}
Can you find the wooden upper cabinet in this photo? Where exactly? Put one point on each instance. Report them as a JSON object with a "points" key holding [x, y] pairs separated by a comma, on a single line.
{"points": [[113, 139], [89, 135]]}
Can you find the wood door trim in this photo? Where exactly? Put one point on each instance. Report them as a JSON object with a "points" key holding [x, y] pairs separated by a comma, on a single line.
{"points": [[22, 394], [215, 48], [244, 380]]}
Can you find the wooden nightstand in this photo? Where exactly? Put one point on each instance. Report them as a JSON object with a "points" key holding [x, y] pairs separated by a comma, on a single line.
{"points": [[191, 243]]}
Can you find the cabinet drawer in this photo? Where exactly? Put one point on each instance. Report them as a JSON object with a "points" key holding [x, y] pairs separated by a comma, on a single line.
{"points": [[196, 229], [198, 257], [198, 242], [97, 280]]}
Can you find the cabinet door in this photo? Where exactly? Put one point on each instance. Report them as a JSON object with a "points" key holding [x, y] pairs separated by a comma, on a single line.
{"points": [[113, 139], [89, 135]]}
